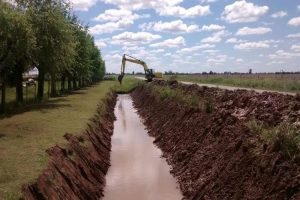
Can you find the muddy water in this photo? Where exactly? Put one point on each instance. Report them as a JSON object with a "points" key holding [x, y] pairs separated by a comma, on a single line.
{"points": [[137, 170]]}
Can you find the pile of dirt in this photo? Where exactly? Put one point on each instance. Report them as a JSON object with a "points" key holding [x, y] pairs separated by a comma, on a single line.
{"points": [[78, 170], [215, 155]]}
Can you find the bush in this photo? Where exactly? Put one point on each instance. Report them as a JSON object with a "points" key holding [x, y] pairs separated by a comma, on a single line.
{"points": [[285, 137]]}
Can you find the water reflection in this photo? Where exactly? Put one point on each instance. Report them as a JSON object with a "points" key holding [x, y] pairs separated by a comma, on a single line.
{"points": [[137, 172], [123, 117]]}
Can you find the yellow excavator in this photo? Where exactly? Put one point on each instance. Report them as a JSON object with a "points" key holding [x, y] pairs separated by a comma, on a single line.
{"points": [[149, 73]]}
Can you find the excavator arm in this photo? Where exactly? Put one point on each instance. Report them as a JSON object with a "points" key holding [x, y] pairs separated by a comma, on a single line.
{"points": [[148, 72]]}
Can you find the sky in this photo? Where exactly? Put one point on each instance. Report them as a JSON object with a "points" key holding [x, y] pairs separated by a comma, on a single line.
{"points": [[196, 35]]}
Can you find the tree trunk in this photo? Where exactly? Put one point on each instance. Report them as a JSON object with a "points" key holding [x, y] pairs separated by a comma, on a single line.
{"points": [[74, 84], [41, 81], [69, 83], [83, 82], [19, 83], [63, 81], [79, 82], [53, 86], [2, 109]]}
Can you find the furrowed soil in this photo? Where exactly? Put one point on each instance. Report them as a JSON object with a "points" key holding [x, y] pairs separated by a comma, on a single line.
{"points": [[78, 170], [214, 154]]}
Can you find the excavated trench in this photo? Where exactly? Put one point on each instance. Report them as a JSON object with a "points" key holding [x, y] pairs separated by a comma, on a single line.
{"points": [[212, 155], [137, 170], [115, 143], [213, 152]]}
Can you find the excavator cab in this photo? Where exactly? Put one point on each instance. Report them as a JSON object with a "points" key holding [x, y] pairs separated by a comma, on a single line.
{"points": [[149, 73]]}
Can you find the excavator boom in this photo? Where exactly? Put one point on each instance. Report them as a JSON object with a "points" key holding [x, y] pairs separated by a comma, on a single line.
{"points": [[148, 72]]}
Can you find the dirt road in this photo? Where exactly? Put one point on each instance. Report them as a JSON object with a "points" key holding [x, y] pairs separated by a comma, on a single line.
{"points": [[230, 87]]}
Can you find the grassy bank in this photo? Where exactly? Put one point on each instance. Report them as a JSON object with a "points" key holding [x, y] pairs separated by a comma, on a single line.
{"points": [[269, 82], [25, 137]]}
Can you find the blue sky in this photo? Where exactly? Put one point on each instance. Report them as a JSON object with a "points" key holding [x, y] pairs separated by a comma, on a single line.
{"points": [[196, 35]]}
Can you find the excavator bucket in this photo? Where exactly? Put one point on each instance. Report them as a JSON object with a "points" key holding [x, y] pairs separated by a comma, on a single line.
{"points": [[120, 78]]}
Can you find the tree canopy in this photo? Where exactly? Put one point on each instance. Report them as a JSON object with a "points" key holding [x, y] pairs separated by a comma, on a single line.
{"points": [[46, 35]]}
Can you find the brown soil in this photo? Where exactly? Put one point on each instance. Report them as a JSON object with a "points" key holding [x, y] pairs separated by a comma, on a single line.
{"points": [[78, 170], [216, 156]]}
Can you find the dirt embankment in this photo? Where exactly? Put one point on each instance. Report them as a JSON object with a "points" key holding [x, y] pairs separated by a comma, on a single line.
{"points": [[215, 155], [78, 170]]}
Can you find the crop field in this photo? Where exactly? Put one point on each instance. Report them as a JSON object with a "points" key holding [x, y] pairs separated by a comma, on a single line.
{"points": [[275, 82]]}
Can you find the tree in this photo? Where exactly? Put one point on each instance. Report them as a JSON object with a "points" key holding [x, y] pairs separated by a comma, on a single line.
{"points": [[23, 48], [54, 37], [16, 42]]}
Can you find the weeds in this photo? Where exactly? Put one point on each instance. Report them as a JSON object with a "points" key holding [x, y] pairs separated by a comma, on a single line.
{"points": [[285, 137], [289, 83], [178, 95], [173, 78]]}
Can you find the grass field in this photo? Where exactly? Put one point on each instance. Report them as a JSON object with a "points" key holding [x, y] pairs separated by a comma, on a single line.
{"points": [[287, 83], [25, 137], [29, 95]]}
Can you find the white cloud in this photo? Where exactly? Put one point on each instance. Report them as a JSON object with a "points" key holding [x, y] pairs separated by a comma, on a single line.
{"points": [[295, 48], [298, 8], [208, 1], [195, 48], [253, 31], [252, 45], [157, 51], [116, 15], [234, 40], [217, 59], [216, 37], [83, 5], [176, 42], [162, 7], [242, 11], [296, 35], [132, 39], [239, 60], [178, 11], [210, 51], [133, 48], [212, 27], [100, 44], [281, 54], [142, 4], [176, 26], [279, 14], [110, 27], [294, 21]]}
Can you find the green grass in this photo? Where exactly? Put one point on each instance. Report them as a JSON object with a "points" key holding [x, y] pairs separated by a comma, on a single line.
{"points": [[284, 138], [178, 95], [128, 84], [25, 137], [286, 83], [29, 95]]}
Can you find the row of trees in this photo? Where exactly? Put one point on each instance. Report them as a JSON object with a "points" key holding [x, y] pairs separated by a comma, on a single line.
{"points": [[44, 34]]}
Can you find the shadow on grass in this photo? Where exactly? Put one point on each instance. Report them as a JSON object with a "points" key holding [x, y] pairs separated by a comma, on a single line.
{"points": [[43, 106], [48, 104]]}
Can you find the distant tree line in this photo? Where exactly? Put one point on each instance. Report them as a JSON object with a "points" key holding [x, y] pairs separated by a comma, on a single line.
{"points": [[226, 73], [46, 35]]}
